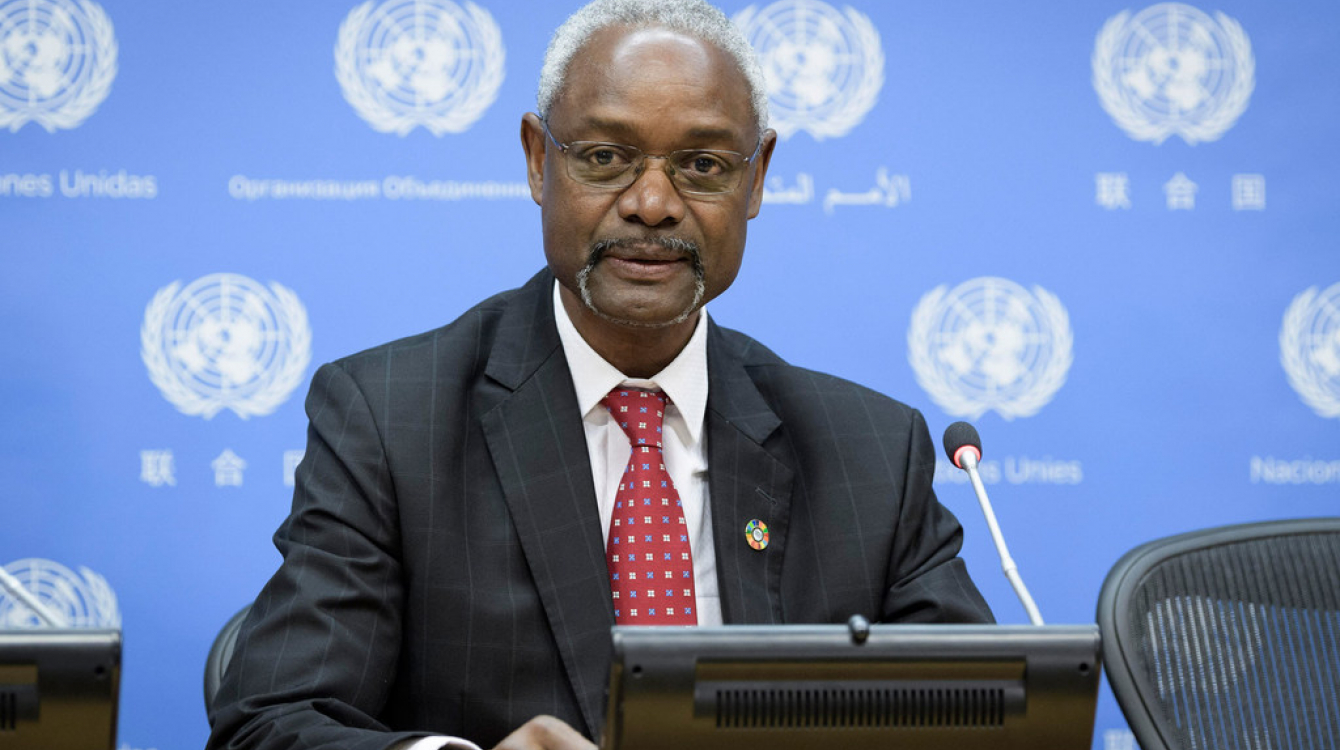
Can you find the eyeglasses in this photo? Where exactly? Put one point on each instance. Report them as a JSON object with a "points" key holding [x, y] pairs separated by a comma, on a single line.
{"points": [[695, 171]]}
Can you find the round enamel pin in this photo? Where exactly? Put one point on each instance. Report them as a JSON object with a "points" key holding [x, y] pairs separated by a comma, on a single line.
{"points": [[756, 533]]}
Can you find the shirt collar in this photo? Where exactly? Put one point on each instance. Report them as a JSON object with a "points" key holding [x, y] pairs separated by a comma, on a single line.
{"points": [[684, 380]]}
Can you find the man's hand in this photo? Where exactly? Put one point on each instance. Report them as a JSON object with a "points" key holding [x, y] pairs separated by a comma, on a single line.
{"points": [[545, 733]]}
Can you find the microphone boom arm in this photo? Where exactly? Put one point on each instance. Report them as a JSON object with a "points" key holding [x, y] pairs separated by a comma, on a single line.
{"points": [[16, 590], [969, 463]]}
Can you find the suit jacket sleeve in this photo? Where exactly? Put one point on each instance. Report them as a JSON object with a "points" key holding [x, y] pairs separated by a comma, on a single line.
{"points": [[928, 581], [317, 655], [444, 568]]}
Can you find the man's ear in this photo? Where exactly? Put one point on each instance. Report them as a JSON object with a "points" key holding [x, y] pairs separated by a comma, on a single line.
{"points": [[761, 171], [533, 143]]}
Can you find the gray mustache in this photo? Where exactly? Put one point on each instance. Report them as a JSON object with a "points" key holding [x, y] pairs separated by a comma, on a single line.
{"points": [[676, 244]]}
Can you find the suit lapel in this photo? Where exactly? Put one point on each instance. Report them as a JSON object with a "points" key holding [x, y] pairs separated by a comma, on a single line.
{"points": [[538, 446], [746, 483]]}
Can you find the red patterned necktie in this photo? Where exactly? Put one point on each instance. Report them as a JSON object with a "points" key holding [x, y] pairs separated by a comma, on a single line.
{"points": [[651, 568]]}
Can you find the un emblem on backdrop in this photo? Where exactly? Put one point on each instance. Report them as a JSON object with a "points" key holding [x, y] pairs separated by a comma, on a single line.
{"points": [[990, 344], [83, 599], [57, 62], [405, 63], [1310, 348], [1173, 70], [225, 342], [824, 68]]}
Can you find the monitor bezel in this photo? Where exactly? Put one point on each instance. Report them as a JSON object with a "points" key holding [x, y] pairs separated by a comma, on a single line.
{"points": [[1053, 672], [71, 678]]}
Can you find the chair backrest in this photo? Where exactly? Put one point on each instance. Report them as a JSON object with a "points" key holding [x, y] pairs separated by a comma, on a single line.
{"points": [[219, 655], [1228, 638]]}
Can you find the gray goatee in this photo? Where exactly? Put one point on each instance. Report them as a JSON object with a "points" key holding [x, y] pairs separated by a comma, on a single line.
{"points": [[598, 250]]}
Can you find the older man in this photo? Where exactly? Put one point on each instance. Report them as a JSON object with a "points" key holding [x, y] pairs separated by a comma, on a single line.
{"points": [[469, 522]]}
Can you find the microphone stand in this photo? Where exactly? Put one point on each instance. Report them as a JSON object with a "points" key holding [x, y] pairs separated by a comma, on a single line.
{"points": [[16, 589], [969, 461]]}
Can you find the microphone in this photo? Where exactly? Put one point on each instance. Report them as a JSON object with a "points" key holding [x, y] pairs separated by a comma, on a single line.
{"points": [[964, 448], [961, 438]]}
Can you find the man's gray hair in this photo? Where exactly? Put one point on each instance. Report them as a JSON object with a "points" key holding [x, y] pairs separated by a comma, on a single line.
{"points": [[695, 18]]}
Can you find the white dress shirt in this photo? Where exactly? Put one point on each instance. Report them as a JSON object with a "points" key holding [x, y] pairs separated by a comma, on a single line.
{"points": [[684, 444]]}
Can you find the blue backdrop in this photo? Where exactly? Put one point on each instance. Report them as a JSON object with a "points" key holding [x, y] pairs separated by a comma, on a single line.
{"points": [[1105, 232]]}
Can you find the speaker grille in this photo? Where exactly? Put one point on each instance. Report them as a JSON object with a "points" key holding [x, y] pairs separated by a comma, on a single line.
{"points": [[9, 711], [798, 708]]}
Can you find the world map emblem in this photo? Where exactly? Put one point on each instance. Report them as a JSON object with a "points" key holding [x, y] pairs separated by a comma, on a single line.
{"points": [[57, 62], [80, 599], [1173, 70], [989, 344], [824, 67], [225, 341], [1310, 348], [409, 63]]}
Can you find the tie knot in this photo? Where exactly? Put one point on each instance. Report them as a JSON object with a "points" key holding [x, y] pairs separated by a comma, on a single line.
{"points": [[639, 413]]}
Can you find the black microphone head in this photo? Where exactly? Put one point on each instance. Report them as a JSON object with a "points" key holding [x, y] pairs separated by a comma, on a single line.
{"points": [[958, 436]]}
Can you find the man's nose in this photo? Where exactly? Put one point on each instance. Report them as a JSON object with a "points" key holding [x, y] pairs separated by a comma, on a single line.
{"points": [[652, 199]]}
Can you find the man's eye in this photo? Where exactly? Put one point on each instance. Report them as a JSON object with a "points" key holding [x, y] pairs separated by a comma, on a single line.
{"points": [[604, 157], [705, 165]]}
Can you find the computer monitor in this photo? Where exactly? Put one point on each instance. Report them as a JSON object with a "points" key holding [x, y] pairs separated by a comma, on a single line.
{"points": [[59, 688], [855, 686]]}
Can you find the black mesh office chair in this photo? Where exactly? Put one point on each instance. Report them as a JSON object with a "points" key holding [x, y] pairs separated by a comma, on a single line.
{"points": [[1228, 638], [220, 653]]}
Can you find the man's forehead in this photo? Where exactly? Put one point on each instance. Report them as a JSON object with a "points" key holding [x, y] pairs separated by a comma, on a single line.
{"points": [[645, 71], [628, 43], [615, 126], [622, 53]]}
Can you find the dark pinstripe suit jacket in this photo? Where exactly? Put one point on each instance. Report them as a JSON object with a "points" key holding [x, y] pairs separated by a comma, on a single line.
{"points": [[444, 566]]}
